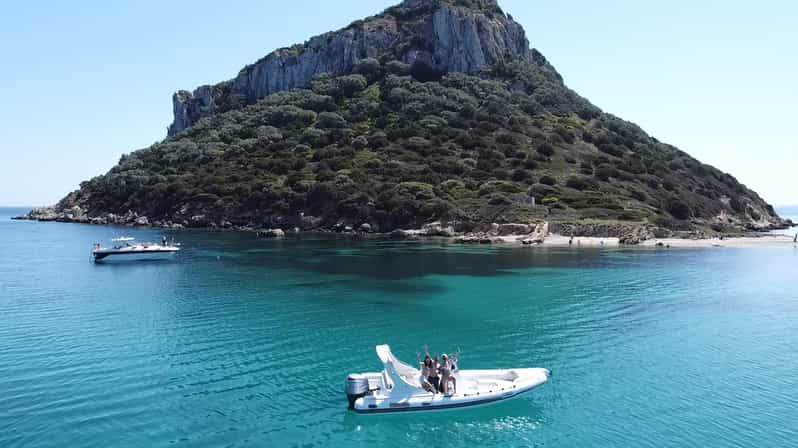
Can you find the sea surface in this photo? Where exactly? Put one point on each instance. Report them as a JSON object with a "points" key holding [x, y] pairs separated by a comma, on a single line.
{"points": [[241, 342], [789, 213]]}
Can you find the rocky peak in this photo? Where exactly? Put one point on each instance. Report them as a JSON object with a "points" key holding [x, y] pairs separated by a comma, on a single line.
{"points": [[475, 5], [438, 36]]}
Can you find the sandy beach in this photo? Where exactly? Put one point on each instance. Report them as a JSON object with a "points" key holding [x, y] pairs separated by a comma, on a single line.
{"points": [[740, 242], [554, 240]]}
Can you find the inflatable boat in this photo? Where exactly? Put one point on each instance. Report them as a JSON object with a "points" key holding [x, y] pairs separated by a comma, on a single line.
{"points": [[398, 388]]}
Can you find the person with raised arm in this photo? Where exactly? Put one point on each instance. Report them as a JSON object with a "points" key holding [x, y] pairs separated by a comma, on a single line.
{"points": [[429, 369], [426, 374]]}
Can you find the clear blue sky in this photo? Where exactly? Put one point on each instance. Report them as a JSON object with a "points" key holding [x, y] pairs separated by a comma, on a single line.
{"points": [[84, 82]]}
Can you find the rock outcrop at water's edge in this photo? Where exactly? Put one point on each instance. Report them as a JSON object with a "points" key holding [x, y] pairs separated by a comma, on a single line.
{"points": [[524, 233]]}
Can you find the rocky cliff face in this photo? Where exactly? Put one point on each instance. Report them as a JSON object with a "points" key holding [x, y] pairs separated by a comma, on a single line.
{"points": [[434, 36]]}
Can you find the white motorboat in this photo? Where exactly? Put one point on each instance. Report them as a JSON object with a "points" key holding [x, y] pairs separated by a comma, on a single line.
{"points": [[127, 249], [398, 388]]}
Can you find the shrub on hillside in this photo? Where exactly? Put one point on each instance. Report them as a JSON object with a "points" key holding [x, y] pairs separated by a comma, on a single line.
{"points": [[521, 175], [605, 172], [339, 87], [550, 200], [548, 180], [546, 149], [579, 183], [540, 191], [678, 209]]}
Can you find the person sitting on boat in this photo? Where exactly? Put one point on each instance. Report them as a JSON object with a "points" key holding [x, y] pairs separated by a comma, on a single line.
{"points": [[446, 376], [426, 375], [433, 377]]}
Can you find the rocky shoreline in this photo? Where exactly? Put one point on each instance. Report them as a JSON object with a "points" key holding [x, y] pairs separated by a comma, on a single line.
{"points": [[536, 233]]}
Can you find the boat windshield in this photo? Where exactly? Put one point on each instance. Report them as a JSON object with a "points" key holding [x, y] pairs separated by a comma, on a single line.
{"points": [[124, 241]]}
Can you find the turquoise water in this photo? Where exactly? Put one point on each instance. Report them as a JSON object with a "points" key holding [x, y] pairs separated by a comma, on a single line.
{"points": [[243, 342], [790, 213]]}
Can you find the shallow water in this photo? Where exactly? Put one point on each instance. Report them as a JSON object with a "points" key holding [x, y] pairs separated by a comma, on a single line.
{"points": [[788, 213], [244, 342]]}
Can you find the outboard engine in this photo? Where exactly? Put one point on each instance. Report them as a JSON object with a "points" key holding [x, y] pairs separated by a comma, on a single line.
{"points": [[357, 386]]}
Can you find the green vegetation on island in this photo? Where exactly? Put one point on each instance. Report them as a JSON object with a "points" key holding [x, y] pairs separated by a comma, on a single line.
{"points": [[382, 147]]}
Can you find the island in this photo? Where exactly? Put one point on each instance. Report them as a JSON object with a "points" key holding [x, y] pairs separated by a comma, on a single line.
{"points": [[433, 118]]}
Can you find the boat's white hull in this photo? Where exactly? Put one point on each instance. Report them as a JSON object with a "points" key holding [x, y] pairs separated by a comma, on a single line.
{"points": [[129, 256], [474, 388]]}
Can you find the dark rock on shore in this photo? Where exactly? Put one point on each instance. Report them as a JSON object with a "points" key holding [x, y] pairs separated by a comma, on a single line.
{"points": [[479, 238], [271, 233], [438, 229]]}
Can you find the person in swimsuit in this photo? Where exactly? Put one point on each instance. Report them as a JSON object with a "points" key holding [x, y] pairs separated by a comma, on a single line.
{"points": [[446, 375], [426, 372], [433, 378]]}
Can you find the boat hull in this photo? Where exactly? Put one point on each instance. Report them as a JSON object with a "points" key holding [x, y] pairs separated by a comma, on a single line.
{"points": [[130, 256], [481, 395]]}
